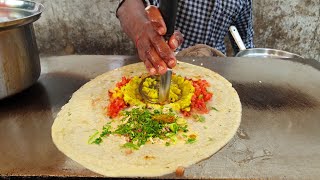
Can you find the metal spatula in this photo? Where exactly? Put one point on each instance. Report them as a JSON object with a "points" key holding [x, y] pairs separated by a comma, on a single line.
{"points": [[168, 10]]}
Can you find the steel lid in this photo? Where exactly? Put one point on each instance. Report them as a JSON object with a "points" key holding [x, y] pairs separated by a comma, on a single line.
{"points": [[15, 13]]}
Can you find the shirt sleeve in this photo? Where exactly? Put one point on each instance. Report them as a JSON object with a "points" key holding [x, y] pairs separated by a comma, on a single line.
{"points": [[244, 24]]}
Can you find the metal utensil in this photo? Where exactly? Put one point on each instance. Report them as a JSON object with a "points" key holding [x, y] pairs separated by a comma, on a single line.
{"points": [[168, 10], [164, 82], [258, 52], [19, 57], [164, 87]]}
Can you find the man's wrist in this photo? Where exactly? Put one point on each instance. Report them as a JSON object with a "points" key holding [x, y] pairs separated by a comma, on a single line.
{"points": [[133, 18], [123, 1]]}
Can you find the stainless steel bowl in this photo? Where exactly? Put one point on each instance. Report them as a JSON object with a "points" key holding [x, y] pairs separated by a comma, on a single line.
{"points": [[266, 53], [258, 52], [19, 57]]}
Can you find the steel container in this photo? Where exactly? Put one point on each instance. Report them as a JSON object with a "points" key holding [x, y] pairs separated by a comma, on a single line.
{"points": [[266, 53], [19, 57], [258, 52]]}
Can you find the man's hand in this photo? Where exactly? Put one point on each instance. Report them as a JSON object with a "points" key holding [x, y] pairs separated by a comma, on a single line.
{"points": [[147, 32], [152, 48]]}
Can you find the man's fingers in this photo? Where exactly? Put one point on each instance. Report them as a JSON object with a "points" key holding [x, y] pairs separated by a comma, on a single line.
{"points": [[148, 54], [156, 19], [162, 48], [164, 51], [176, 40], [156, 61], [143, 46], [147, 63], [150, 67]]}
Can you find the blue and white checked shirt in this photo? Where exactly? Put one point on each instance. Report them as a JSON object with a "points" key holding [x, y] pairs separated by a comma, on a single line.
{"points": [[208, 22]]}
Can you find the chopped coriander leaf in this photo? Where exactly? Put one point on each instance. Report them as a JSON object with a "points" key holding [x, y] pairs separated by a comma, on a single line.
{"points": [[199, 118], [191, 141], [213, 108], [106, 130], [174, 139], [184, 128], [97, 141], [140, 125], [170, 135], [205, 127], [167, 144], [156, 111], [174, 127], [91, 138], [130, 146], [202, 119]]}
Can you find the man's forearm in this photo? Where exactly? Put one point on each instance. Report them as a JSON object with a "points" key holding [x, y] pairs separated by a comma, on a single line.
{"points": [[132, 16]]}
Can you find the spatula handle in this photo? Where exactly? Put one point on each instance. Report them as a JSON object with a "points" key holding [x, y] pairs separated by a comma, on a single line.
{"points": [[237, 38]]}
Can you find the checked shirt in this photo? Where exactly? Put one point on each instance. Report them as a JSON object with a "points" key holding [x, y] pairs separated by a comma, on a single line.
{"points": [[208, 21]]}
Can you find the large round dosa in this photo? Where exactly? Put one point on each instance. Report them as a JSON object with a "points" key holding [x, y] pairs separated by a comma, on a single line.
{"points": [[84, 114]]}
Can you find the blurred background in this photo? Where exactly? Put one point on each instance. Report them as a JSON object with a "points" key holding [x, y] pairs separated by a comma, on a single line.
{"points": [[91, 27]]}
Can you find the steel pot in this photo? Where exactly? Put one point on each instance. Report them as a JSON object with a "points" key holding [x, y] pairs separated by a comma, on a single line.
{"points": [[19, 57], [258, 52]]}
